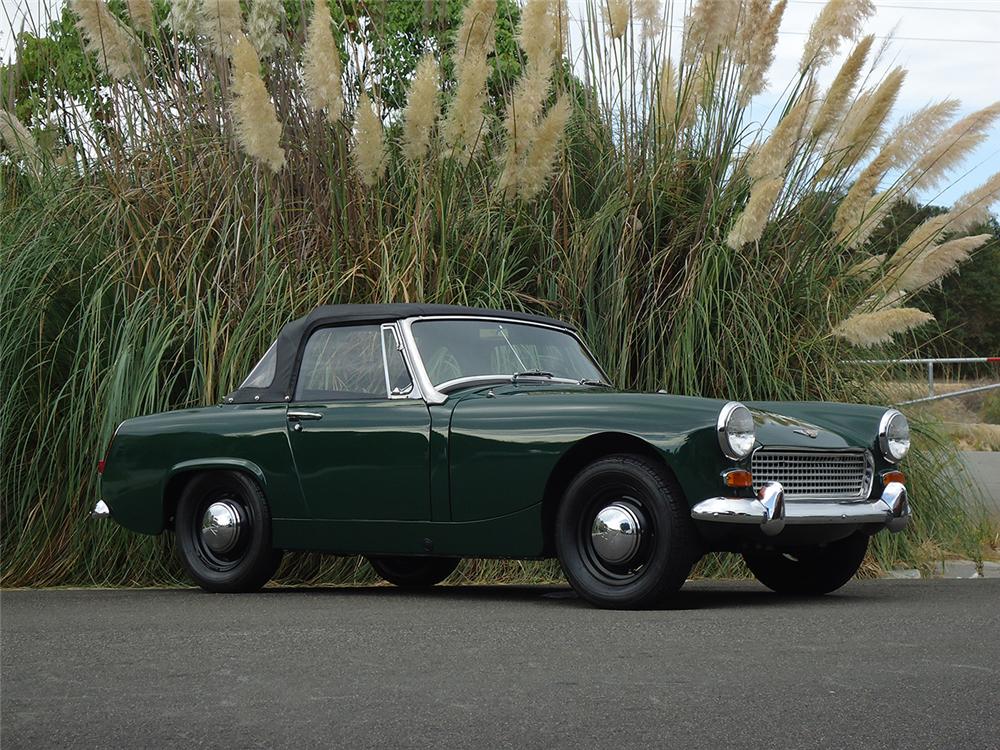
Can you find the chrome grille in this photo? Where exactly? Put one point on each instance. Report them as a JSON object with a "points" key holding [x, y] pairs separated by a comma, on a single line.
{"points": [[803, 473]]}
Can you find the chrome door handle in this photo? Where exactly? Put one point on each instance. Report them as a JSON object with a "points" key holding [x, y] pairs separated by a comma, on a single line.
{"points": [[303, 416]]}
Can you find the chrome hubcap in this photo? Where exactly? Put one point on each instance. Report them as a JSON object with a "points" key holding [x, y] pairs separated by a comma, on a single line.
{"points": [[616, 533], [220, 527]]}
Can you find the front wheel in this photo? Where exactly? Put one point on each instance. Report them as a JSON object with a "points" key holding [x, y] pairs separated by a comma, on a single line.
{"points": [[810, 571], [414, 572], [623, 534], [223, 531]]}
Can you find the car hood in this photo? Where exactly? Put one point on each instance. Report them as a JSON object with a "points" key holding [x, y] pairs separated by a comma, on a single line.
{"points": [[790, 424]]}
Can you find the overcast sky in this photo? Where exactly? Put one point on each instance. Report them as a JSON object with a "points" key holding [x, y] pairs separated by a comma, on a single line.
{"points": [[949, 47]]}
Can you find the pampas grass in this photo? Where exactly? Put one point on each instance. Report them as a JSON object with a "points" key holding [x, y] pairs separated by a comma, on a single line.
{"points": [[257, 126], [421, 109], [184, 18], [759, 32], [141, 14], [465, 118], [221, 23], [832, 107], [616, 16], [263, 26], [369, 142], [18, 140], [321, 69], [838, 20], [118, 52], [878, 327]]}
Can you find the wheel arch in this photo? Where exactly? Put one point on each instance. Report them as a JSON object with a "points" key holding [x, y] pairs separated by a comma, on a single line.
{"points": [[578, 456], [182, 473]]}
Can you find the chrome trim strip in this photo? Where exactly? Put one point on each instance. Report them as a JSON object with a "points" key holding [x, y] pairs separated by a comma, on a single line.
{"points": [[432, 394], [891, 509]]}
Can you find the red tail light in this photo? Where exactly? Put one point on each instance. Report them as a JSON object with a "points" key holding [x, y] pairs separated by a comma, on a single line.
{"points": [[102, 462], [100, 465]]}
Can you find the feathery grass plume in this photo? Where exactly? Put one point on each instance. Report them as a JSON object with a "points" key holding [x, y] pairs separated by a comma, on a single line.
{"points": [[18, 140], [927, 233], [476, 34], [264, 26], [421, 109], [759, 32], [831, 109], [539, 37], [616, 15], [866, 266], [369, 142], [118, 52], [709, 26], [465, 117], [938, 261], [184, 18], [221, 23], [951, 148], [321, 69], [774, 155], [650, 15], [839, 20], [538, 32], [749, 225], [863, 125], [666, 102], [974, 207], [767, 169], [257, 128], [858, 216], [540, 160], [141, 14], [878, 327]]}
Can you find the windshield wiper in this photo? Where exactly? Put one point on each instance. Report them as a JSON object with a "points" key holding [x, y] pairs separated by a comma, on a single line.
{"points": [[530, 373], [589, 381]]}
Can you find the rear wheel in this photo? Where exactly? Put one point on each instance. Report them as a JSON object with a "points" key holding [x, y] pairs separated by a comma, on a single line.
{"points": [[811, 571], [414, 572], [623, 534], [223, 532]]}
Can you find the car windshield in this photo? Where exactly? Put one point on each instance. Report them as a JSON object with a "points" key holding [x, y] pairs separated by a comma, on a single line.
{"points": [[456, 349]]}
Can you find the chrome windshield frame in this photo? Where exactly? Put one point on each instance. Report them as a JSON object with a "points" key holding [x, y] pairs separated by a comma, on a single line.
{"points": [[433, 394]]}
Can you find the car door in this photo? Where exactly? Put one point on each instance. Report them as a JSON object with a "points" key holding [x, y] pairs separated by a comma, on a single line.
{"points": [[359, 438]]}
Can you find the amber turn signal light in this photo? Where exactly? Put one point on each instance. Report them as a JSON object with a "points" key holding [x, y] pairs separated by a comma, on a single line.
{"points": [[893, 476], [738, 478]]}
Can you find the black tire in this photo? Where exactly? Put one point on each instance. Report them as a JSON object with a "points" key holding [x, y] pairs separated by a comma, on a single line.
{"points": [[414, 572], [252, 561], [667, 544], [810, 571]]}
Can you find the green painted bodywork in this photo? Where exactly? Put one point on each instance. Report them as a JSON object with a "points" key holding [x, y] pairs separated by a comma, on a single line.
{"points": [[474, 476]]}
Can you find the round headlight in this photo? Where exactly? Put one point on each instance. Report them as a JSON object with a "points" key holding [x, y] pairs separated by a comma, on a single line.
{"points": [[736, 430], [894, 435]]}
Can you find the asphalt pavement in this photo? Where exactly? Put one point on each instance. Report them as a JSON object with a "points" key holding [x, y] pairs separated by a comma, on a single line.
{"points": [[880, 664]]}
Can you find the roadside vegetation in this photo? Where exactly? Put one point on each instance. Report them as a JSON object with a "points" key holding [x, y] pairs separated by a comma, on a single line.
{"points": [[177, 180]]}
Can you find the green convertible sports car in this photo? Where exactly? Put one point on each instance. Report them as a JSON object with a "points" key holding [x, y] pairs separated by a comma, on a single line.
{"points": [[420, 434]]}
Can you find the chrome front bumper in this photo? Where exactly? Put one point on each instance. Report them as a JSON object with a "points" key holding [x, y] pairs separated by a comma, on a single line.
{"points": [[771, 512]]}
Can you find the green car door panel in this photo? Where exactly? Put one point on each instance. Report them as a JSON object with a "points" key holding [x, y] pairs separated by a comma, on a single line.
{"points": [[365, 460]]}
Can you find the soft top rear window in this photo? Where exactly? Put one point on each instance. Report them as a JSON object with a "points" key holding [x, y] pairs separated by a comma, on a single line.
{"points": [[262, 375]]}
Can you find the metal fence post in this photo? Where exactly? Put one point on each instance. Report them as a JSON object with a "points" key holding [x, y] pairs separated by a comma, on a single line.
{"points": [[930, 378]]}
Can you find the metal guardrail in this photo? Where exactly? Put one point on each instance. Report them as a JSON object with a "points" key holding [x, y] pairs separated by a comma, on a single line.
{"points": [[930, 362]]}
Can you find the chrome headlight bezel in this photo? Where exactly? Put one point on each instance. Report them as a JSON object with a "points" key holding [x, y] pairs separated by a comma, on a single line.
{"points": [[894, 447], [735, 445]]}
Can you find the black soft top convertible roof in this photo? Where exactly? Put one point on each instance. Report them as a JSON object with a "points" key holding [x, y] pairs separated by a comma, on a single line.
{"points": [[289, 341]]}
